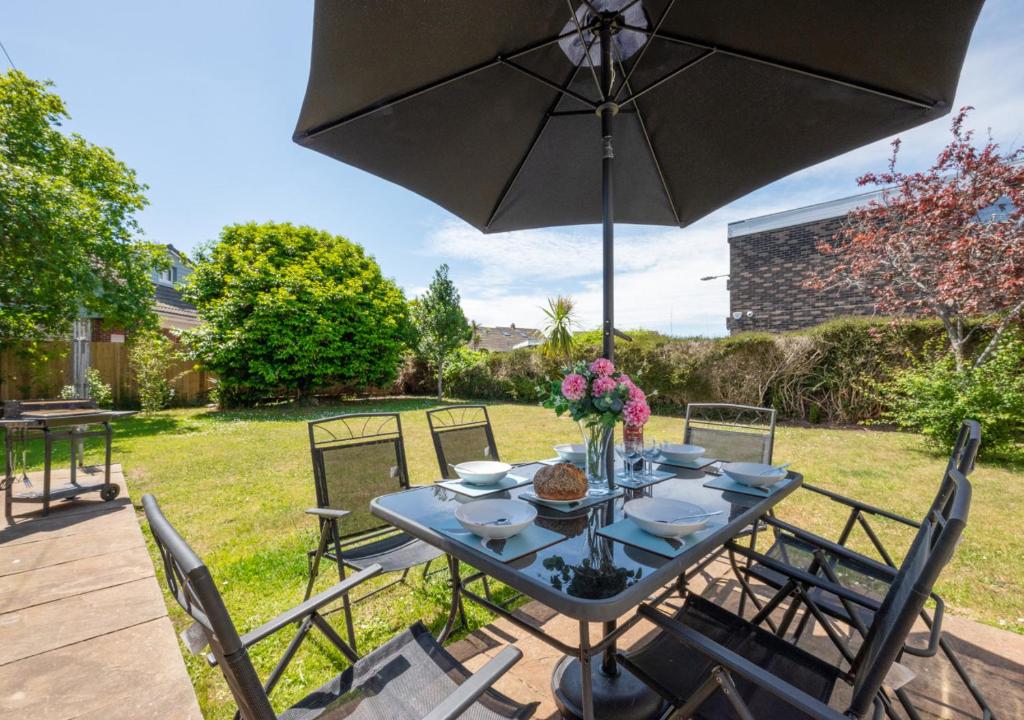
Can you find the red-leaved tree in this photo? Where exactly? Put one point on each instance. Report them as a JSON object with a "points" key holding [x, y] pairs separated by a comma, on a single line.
{"points": [[948, 241]]}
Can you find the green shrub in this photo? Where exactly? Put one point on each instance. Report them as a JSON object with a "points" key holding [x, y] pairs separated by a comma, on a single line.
{"points": [[95, 389], [150, 356], [932, 397], [831, 373], [290, 310]]}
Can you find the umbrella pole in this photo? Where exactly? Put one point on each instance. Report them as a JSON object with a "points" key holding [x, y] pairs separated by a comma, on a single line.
{"points": [[607, 111]]}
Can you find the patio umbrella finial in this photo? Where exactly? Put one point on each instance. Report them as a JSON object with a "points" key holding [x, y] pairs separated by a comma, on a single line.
{"points": [[584, 28]]}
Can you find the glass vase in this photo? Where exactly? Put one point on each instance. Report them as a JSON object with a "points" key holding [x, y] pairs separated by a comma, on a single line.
{"points": [[596, 439]]}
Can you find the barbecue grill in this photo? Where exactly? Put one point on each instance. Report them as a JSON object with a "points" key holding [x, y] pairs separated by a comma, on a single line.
{"points": [[54, 421]]}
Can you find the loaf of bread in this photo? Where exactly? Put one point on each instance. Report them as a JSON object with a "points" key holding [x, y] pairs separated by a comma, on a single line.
{"points": [[563, 481]]}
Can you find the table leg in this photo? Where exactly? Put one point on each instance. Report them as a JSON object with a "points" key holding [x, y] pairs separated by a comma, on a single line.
{"points": [[47, 458], [453, 612], [606, 691]]}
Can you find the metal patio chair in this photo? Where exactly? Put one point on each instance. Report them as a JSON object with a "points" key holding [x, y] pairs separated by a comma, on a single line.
{"points": [[794, 547], [461, 433], [730, 433], [733, 433], [356, 458], [709, 663], [410, 677]]}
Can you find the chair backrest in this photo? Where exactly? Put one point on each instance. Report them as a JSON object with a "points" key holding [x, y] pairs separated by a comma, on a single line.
{"points": [[357, 457], [734, 433], [461, 433], [928, 554], [192, 586], [965, 449]]}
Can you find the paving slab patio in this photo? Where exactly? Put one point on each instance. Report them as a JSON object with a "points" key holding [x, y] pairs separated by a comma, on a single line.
{"points": [[84, 631], [994, 658]]}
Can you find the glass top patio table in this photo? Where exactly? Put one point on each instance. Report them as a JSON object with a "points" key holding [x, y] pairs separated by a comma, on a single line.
{"points": [[584, 575]]}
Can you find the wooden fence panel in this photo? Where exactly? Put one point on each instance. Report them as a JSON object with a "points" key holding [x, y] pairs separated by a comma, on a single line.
{"points": [[21, 379]]}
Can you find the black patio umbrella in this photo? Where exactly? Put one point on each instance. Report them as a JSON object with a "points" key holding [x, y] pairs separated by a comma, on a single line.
{"points": [[499, 111]]}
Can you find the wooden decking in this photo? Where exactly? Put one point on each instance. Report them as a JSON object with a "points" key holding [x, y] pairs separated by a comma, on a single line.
{"points": [[84, 631]]}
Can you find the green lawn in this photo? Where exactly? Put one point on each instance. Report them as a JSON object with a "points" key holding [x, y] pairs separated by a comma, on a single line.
{"points": [[235, 484]]}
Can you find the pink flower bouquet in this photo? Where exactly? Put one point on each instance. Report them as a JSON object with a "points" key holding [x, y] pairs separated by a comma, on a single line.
{"points": [[596, 394]]}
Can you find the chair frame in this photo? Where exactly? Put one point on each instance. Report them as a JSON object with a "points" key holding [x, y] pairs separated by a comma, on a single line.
{"points": [[962, 459], [739, 425], [330, 531], [439, 427], [192, 586], [867, 670]]}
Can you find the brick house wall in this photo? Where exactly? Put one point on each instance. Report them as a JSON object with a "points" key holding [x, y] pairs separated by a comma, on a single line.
{"points": [[766, 274]]}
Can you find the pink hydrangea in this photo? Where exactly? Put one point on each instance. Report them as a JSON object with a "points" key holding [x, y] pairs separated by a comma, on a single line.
{"points": [[636, 394], [604, 384], [574, 387], [636, 413], [626, 380], [602, 366]]}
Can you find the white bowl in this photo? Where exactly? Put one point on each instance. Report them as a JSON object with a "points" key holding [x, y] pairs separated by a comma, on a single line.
{"points": [[754, 474], [481, 472], [572, 453], [479, 516], [660, 516], [681, 453]]}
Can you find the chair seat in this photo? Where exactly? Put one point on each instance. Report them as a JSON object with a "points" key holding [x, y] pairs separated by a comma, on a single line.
{"points": [[677, 671], [404, 679], [859, 577], [398, 551]]}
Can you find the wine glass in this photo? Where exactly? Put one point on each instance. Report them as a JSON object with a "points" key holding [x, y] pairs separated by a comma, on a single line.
{"points": [[651, 450], [623, 454]]}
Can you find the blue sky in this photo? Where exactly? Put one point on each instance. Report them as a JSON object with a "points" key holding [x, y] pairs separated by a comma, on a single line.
{"points": [[201, 99]]}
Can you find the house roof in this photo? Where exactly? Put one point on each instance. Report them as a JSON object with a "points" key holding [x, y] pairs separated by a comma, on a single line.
{"points": [[503, 339], [801, 215], [168, 301]]}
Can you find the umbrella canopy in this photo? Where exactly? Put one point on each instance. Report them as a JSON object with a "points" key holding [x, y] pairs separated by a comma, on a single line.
{"points": [[488, 108]]}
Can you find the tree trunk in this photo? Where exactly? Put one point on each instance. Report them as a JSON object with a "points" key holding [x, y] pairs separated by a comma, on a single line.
{"points": [[955, 339], [440, 379], [993, 343]]}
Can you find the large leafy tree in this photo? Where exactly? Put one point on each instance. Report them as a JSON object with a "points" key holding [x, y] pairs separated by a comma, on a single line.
{"points": [[440, 323], [68, 233], [289, 309], [947, 242]]}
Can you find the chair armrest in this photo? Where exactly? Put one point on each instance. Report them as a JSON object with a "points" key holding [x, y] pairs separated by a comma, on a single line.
{"points": [[476, 685], [831, 547], [304, 610], [805, 577], [934, 632], [863, 507], [327, 513], [741, 666]]}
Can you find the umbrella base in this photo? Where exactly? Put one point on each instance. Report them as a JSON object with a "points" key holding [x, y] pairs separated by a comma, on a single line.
{"points": [[623, 697]]}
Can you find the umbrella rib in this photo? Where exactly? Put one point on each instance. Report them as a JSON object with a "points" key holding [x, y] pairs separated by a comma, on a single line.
{"points": [[334, 124], [650, 148], [669, 75], [553, 85], [586, 48], [650, 38], [807, 72], [529, 151]]}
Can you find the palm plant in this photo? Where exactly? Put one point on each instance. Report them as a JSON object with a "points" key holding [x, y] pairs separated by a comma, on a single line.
{"points": [[561, 321]]}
